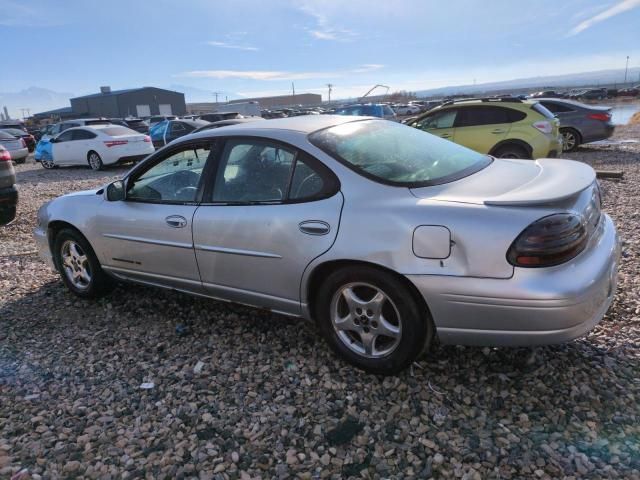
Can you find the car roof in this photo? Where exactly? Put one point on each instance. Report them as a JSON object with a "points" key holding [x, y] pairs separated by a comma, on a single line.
{"points": [[303, 124]]}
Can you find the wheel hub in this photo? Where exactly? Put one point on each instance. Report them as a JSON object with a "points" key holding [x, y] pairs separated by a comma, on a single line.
{"points": [[366, 320]]}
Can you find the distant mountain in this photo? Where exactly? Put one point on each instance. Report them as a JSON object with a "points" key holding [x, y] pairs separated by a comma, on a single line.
{"points": [[586, 79], [36, 99]]}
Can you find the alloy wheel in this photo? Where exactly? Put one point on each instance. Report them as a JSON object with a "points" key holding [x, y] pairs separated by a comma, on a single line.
{"points": [[366, 320], [47, 163], [568, 141], [76, 265], [94, 161]]}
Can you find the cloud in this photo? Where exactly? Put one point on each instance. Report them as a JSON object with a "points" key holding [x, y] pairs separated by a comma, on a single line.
{"points": [[214, 43], [277, 75], [618, 8], [323, 30]]}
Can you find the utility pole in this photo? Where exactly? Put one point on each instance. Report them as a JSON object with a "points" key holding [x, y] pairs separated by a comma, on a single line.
{"points": [[216, 94], [626, 69], [293, 93], [330, 87]]}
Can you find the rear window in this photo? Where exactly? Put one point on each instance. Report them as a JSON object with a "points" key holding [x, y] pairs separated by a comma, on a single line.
{"points": [[14, 131], [395, 154], [97, 122], [6, 136], [118, 131], [542, 110]]}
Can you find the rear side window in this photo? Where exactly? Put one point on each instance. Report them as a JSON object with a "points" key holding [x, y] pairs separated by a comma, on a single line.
{"points": [[82, 135], [441, 119], [475, 116], [119, 131], [542, 110], [556, 107]]}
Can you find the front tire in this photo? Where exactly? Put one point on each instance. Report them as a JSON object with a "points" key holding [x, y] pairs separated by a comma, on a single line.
{"points": [[371, 319], [78, 265], [47, 163], [570, 139], [95, 162]]}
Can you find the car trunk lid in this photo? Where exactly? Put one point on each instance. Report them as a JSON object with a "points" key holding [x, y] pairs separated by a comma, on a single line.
{"points": [[516, 183]]}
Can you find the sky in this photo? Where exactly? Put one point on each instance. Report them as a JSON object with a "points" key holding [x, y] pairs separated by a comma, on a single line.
{"points": [[247, 48]]}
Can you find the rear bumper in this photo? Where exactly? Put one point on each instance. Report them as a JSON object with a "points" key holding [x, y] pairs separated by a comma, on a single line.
{"points": [[8, 204], [19, 154], [601, 132], [534, 307]]}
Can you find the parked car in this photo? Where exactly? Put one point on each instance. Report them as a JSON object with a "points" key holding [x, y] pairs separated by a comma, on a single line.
{"points": [[434, 240], [217, 117], [164, 132], [629, 92], [593, 94], [57, 128], [406, 109], [546, 94], [151, 121], [579, 123], [226, 123], [8, 191], [20, 133], [502, 127], [379, 110], [136, 124], [16, 147], [96, 146]]}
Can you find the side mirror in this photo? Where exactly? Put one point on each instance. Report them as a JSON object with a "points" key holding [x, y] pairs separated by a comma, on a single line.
{"points": [[52, 140], [116, 191]]}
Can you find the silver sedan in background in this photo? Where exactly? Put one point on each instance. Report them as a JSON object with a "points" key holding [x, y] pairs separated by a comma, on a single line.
{"points": [[16, 146], [386, 236]]}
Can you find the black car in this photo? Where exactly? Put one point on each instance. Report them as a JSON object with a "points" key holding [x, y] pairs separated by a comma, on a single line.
{"points": [[137, 124], [19, 133], [216, 117], [168, 130], [594, 94]]}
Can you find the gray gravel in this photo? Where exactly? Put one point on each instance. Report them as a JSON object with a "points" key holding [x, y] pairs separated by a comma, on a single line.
{"points": [[246, 394]]}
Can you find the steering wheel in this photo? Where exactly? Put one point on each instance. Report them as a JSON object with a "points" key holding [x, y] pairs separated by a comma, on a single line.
{"points": [[306, 179]]}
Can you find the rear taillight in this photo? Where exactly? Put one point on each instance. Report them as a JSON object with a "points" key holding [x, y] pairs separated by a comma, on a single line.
{"points": [[604, 117], [544, 126], [549, 241], [147, 138], [5, 156], [114, 143]]}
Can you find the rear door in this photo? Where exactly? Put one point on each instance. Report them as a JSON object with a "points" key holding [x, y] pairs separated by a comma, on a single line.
{"points": [[440, 123], [271, 211], [481, 127]]}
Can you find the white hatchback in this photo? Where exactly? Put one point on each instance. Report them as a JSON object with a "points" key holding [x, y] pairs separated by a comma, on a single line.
{"points": [[96, 146]]}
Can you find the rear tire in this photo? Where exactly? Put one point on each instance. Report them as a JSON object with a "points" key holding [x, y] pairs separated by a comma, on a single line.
{"points": [[21, 160], [371, 319], [570, 139], [94, 160], [78, 265], [511, 151]]}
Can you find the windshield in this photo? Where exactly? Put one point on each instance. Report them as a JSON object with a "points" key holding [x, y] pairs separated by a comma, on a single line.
{"points": [[396, 154]]}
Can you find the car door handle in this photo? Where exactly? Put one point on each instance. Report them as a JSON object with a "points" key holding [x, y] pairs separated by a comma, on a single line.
{"points": [[445, 135], [176, 221], [314, 227], [497, 130]]}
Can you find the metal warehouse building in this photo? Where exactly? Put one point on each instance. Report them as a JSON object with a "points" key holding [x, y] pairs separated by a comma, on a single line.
{"points": [[136, 102]]}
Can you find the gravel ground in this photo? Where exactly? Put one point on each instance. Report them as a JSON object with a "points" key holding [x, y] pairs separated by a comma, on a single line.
{"points": [[239, 393]]}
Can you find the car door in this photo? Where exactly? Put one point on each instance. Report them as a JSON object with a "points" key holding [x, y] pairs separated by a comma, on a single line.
{"points": [[481, 127], [148, 236], [61, 149], [271, 211], [440, 123], [80, 145]]}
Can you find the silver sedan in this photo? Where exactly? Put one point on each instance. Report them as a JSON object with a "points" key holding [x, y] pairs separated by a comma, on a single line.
{"points": [[386, 236]]}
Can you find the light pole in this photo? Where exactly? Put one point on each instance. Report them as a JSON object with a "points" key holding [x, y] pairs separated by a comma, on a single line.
{"points": [[626, 69], [330, 87]]}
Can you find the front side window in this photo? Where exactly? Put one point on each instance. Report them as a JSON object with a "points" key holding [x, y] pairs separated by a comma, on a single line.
{"points": [[397, 154], [65, 137], [441, 119], [175, 179]]}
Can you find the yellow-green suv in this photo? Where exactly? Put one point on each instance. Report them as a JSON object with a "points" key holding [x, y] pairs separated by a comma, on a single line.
{"points": [[502, 127]]}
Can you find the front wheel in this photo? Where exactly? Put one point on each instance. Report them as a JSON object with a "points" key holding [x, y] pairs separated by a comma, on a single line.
{"points": [[47, 162], [512, 151], [95, 162], [370, 318], [78, 265]]}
